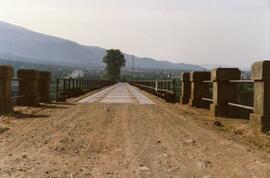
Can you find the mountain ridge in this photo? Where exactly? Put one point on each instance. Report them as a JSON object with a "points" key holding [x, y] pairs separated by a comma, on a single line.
{"points": [[20, 43]]}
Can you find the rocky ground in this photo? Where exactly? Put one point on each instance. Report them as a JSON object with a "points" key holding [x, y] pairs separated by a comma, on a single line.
{"points": [[128, 140]]}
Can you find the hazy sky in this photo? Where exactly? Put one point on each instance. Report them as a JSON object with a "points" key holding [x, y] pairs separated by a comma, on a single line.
{"points": [[228, 32]]}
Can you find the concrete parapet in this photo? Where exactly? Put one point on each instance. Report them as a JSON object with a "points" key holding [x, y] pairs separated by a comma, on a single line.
{"points": [[260, 119], [6, 73], [44, 86], [185, 88], [200, 76], [199, 89], [28, 87], [225, 74], [224, 91]]}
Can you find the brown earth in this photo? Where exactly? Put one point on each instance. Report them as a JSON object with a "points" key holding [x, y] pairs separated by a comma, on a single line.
{"points": [[128, 140]]}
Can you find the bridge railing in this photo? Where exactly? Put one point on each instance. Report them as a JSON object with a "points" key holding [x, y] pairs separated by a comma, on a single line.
{"points": [[166, 89], [15, 90], [69, 87], [226, 95], [30, 88]]}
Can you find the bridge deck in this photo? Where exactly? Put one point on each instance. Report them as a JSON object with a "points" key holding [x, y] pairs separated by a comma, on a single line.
{"points": [[118, 93], [101, 137]]}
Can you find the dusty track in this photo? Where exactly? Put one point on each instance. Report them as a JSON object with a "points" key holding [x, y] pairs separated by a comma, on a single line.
{"points": [[124, 140]]}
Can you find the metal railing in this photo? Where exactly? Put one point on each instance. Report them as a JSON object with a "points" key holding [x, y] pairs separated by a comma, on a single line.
{"points": [[209, 97], [67, 88], [248, 104], [166, 89], [247, 84], [15, 90]]}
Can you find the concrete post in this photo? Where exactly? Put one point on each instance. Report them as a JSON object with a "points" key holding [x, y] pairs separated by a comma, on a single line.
{"points": [[156, 85], [199, 89], [260, 119], [28, 87], [185, 88], [81, 84], [6, 73], [57, 89], [224, 92], [44, 86], [65, 90]]}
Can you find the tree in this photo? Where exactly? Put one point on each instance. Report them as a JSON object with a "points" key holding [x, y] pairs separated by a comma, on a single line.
{"points": [[115, 61]]}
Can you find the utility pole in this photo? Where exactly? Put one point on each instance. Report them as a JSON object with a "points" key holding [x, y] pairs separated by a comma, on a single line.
{"points": [[132, 65]]}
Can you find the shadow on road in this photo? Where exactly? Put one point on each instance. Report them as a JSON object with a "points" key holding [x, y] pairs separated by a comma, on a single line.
{"points": [[53, 107], [63, 103], [20, 115], [3, 130]]}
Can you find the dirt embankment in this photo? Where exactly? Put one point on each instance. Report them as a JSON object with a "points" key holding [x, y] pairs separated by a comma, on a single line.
{"points": [[128, 140]]}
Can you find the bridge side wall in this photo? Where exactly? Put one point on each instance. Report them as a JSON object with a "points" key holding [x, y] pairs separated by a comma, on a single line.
{"points": [[6, 73], [185, 88], [224, 92], [44, 86], [28, 87], [199, 89], [260, 119]]}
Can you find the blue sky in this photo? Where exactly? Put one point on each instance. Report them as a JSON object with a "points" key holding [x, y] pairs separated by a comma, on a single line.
{"points": [[228, 32]]}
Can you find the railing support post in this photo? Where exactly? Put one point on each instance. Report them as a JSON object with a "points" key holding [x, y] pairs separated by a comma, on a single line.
{"points": [[57, 90], [156, 86], [185, 88], [44, 86], [83, 85], [174, 88], [28, 87], [224, 91], [260, 119], [6, 73], [199, 89], [64, 90]]}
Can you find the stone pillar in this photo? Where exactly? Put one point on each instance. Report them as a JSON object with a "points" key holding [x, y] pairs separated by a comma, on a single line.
{"points": [[185, 88], [224, 92], [44, 86], [28, 87], [199, 89], [260, 119], [6, 73]]}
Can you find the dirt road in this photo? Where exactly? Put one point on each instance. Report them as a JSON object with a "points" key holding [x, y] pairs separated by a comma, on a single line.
{"points": [[123, 140]]}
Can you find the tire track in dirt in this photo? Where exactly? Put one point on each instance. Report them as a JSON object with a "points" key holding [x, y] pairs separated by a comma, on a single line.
{"points": [[120, 160], [161, 153]]}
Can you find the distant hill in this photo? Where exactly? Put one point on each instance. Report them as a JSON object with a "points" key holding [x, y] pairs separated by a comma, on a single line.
{"points": [[20, 44], [213, 66], [56, 70]]}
